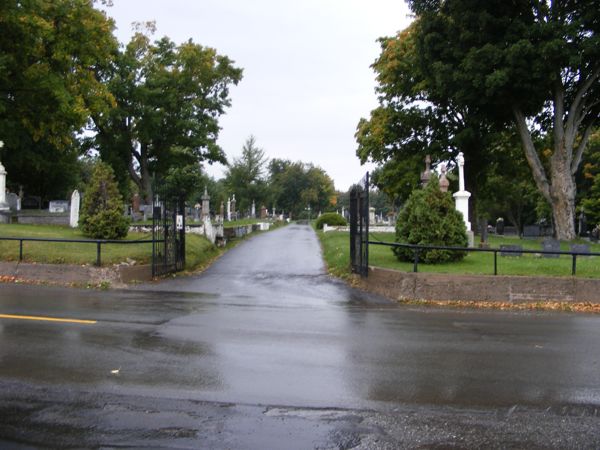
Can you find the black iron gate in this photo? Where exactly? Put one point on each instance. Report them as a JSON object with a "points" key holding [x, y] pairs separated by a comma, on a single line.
{"points": [[359, 227], [168, 235]]}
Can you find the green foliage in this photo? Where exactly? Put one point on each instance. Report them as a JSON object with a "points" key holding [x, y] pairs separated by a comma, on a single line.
{"points": [[180, 182], [51, 54], [331, 219], [533, 64], [246, 176], [296, 186], [414, 119], [102, 210], [591, 173], [430, 218], [169, 99]]}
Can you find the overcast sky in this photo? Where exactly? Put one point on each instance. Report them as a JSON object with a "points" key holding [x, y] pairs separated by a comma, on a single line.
{"points": [[307, 76]]}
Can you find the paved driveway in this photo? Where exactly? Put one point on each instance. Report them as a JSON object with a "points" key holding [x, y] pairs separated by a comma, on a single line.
{"points": [[264, 350]]}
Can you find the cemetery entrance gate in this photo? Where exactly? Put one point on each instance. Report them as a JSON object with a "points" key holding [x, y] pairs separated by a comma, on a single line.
{"points": [[168, 236], [359, 227]]}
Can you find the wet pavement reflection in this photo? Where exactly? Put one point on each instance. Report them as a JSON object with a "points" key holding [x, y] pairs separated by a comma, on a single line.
{"points": [[265, 325]]}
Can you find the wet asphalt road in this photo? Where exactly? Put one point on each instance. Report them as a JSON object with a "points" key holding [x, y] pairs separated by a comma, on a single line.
{"points": [[264, 350]]}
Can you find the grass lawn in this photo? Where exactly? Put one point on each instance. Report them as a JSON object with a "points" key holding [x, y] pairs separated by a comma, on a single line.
{"points": [[198, 249], [336, 250]]}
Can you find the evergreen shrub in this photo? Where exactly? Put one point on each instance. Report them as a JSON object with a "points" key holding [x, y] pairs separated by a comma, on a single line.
{"points": [[331, 219], [429, 217], [102, 210]]}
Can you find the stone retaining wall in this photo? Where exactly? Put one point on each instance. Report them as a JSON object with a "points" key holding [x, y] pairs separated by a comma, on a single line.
{"points": [[68, 274], [398, 285]]}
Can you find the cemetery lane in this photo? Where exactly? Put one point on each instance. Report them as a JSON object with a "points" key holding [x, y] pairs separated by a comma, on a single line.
{"points": [[265, 350]]}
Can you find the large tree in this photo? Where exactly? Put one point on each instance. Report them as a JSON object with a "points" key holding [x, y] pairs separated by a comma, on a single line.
{"points": [[246, 176], [296, 186], [169, 99], [533, 63], [51, 55], [414, 119]]}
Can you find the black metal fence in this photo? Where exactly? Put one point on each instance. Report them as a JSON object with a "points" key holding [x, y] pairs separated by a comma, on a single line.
{"points": [[98, 242], [168, 235], [417, 249], [359, 226]]}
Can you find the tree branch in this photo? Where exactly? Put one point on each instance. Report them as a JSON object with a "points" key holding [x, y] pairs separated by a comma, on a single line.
{"points": [[577, 106], [537, 169], [581, 148]]}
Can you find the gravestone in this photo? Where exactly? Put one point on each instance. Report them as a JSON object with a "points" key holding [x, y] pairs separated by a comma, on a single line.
{"points": [[444, 183], [511, 250], [14, 202], [426, 175], [31, 202], [550, 245], [58, 206], [531, 231], [147, 211], [580, 248], [500, 226], [3, 205], [135, 203], [263, 212], [74, 216]]}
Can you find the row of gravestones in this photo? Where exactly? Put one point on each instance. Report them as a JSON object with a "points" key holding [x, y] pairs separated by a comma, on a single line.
{"points": [[15, 203], [548, 245]]}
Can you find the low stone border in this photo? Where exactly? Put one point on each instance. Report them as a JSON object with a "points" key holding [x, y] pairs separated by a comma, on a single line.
{"points": [[71, 274], [402, 286]]}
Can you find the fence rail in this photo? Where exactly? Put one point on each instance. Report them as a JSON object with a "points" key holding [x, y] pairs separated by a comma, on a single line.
{"points": [[418, 248], [98, 242]]}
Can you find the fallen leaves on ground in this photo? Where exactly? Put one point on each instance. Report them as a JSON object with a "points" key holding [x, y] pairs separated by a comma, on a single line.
{"points": [[583, 307]]}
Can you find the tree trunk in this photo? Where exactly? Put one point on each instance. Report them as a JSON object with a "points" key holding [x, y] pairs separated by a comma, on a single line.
{"points": [[560, 189], [145, 175], [562, 194]]}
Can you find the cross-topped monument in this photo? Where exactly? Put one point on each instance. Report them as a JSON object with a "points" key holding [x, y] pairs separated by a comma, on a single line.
{"points": [[462, 197]]}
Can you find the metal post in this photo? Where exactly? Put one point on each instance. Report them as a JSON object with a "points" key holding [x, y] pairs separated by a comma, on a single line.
{"points": [[416, 264], [20, 250], [98, 261], [574, 268], [495, 262]]}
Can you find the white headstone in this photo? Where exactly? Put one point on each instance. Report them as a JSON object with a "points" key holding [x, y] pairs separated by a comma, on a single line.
{"points": [[3, 204], [253, 209], [74, 218], [229, 209]]}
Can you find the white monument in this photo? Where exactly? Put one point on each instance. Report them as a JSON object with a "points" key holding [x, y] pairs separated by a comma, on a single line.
{"points": [[74, 218], [228, 209], [205, 205], [253, 213], [461, 197], [3, 205]]}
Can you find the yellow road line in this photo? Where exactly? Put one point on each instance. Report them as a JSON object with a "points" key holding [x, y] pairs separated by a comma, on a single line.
{"points": [[46, 319]]}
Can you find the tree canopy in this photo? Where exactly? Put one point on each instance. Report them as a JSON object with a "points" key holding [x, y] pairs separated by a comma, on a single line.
{"points": [[168, 101], [297, 186], [52, 54], [246, 176], [536, 65]]}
